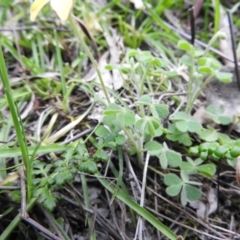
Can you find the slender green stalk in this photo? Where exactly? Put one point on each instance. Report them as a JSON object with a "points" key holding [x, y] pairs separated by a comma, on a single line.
{"points": [[190, 101], [137, 208], [219, 34], [203, 86], [87, 205], [78, 34], [21, 137], [63, 79], [217, 8]]}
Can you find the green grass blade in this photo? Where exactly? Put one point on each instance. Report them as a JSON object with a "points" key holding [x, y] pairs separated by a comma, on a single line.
{"points": [[21, 138], [137, 208], [16, 151]]}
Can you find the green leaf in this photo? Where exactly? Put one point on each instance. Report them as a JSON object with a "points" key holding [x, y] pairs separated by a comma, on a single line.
{"points": [[158, 132], [110, 121], [221, 150], [50, 203], [193, 150], [102, 131], [159, 110], [235, 151], [173, 190], [193, 125], [202, 61], [192, 192], [211, 109], [205, 70], [188, 168], [144, 100], [184, 45], [209, 135], [112, 109], [153, 147], [186, 123], [123, 197], [175, 135], [163, 159], [217, 114], [88, 167], [224, 76], [208, 147], [186, 60], [182, 126], [224, 120], [101, 155], [184, 198], [184, 176], [172, 179], [126, 118], [208, 170], [174, 158], [120, 139], [152, 125], [63, 177], [179, 116], [204, 155], [149, 125]]}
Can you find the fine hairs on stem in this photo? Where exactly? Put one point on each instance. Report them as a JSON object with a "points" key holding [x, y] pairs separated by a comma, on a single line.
{"points": [[78, 34]]}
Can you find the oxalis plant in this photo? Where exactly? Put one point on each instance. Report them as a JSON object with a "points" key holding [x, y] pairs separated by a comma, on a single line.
{"points": [[44, 179], [141, 130], [144, 124]]}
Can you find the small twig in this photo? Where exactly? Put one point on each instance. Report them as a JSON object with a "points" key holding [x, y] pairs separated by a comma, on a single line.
{"points": [[79, 135], [202, 44], [50, 222], [35, 28], [192, 24], [23, 193], [40, 228], [233, 47]]}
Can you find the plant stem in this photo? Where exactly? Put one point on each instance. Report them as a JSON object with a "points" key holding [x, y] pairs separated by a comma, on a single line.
{"points": [[78, 34], [190, 85], [17, 122]]}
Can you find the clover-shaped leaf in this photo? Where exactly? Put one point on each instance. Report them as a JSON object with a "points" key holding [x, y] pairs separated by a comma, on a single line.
{"points": [[209, 135], [189, 193], [169, 157], [102, 131], [173, 190], [205, 69], [126, 118], [153, 147], [184, 122], [217, 114], [159, 110], [225, 77], [176, 184], [144, 100], [112, 109], [120, 139], [172, 179], [208, 170], [177, 136], [149, 125], [192, 167], [184, 45]]}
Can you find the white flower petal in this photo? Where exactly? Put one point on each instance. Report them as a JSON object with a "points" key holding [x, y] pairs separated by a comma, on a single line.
{"points": [[36, 8], [62, 7]]}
